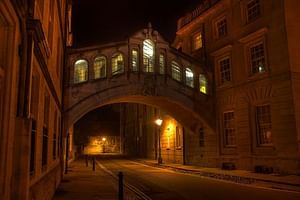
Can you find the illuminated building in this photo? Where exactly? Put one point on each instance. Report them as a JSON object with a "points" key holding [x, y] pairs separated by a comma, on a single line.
{"points": [[251, 47], [33, 38]]}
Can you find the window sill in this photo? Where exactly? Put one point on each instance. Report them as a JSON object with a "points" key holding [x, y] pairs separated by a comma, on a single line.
{"points": [[258, 76], [79, 84], [226, 84]]}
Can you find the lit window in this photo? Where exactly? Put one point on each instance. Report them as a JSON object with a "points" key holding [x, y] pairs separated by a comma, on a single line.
{"points": [[263, 125], [134, 60], [80, 71], [203, 84], [189, 77], [148, 49], [222, 27], [257, 56], [229, 128], [176, 71], [225, 75], [162, 63], [117, 64], [197, 41], [253, 10], [100, 67]]}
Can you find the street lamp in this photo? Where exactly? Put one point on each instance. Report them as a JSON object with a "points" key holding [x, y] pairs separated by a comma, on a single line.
{"points": [[103, 140], [158, 122]]}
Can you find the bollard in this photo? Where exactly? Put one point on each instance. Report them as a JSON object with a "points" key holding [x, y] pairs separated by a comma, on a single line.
{"points": [[86, 161], [121, 197], [94, 167]]}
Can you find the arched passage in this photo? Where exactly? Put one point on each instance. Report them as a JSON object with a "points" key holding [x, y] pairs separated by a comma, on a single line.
{"points": [[187, 107]]}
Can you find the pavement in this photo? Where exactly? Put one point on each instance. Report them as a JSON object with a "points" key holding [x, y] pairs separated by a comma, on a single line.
{"points": [[83, 183], [274, 181]]}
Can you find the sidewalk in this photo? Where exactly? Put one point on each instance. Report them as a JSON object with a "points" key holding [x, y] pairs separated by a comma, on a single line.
{"points": [[275, 181], [83, 183]]}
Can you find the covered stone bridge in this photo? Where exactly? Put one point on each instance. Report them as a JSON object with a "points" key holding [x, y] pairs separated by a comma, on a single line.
{"points": [[141, 69]]}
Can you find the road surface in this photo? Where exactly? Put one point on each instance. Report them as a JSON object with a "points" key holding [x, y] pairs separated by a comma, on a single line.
{"points": [[164, 184]]}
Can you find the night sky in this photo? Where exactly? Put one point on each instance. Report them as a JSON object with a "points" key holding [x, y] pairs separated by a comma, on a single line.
{"points": [[101, 21]]}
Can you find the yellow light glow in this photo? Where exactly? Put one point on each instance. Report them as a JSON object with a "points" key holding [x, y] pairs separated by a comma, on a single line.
{"points": [[158, 122], [103, 139]]}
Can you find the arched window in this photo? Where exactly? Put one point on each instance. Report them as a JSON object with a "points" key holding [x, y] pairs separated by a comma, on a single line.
{"points": [[189, 77], [202, 83], [117, 64], [162, 63], [80, 71], [134, 60], [100, 67], [176, 71], [148, 50]]}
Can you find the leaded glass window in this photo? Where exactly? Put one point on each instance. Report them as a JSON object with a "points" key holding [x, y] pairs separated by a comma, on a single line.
{"points": [[189, 77], [80, 71], [100, 67], [148, 50], [203, 83], [176, 71], [134, 60], [117, 64], [162, 63]]}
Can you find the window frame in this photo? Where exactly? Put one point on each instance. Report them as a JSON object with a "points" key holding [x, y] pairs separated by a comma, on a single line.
{"points": [[195, 46], [206, 83], [86, 73], [252, 40], [231, 127], [33, 147], [119, 70], [162, 68], [186, 77], [149, 66], [258, 136], [253, 18], [221, 72], [176, 71], [105, 67], [217, 28], [253, 71], [136, 68]]}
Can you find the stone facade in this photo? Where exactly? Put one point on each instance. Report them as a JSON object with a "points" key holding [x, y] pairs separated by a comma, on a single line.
{"points": [[250, 46], [31, 58]]}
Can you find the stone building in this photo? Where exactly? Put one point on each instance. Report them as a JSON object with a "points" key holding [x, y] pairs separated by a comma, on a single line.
{"points": [[251, 47], [228, 92], [145, 69], [33, 37]]}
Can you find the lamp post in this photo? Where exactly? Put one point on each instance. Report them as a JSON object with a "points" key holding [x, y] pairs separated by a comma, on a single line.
{"points": [[103, 140], [159, 123]]}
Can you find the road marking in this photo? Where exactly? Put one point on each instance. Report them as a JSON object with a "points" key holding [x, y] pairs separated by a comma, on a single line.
{"points": [[132, 188]]}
